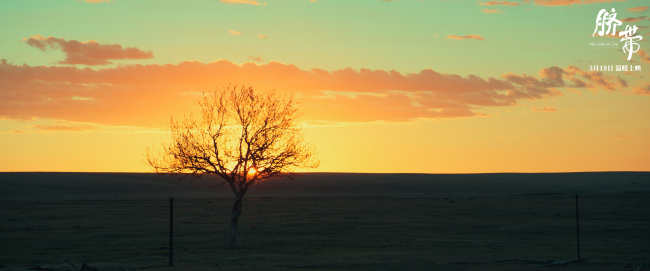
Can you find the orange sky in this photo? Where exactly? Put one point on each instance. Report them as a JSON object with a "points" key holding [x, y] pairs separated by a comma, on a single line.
{"points": [[92, 100]]}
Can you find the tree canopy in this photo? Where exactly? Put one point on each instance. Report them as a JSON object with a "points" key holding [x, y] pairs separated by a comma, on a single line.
{"points": [[241, 136]]}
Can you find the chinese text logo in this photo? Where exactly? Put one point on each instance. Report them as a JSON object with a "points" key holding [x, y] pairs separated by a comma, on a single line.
{"points": [[606, 19]]}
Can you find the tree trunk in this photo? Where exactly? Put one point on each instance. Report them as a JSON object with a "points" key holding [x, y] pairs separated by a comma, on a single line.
{"points": [[236, 212]]}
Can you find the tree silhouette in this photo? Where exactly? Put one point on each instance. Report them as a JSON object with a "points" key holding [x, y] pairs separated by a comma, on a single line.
{"points": [[242, 137]]}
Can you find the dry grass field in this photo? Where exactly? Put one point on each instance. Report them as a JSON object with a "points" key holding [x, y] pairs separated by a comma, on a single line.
{"points": [[330, 233]]}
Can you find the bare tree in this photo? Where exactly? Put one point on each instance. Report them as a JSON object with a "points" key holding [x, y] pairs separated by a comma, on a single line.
{"points": [[242, 137]]}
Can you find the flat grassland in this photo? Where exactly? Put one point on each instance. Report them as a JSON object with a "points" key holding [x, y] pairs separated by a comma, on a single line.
{"points": [[442, 232]]}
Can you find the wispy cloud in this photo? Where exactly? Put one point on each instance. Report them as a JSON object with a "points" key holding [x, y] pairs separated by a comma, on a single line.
{"points": [[644, 56], [637, 9], [257, 58], [500, 3], [633, 19], [552, 3], [643, 89], [16, 131], [454, 37], [143, 95], [555, 76], [236, 33], [545, 109], [262, 37], [248, 2], [486, 10], [88, 53], [75, 128]]}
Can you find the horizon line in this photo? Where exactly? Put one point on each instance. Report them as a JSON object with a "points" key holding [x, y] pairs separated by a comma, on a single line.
{"points": [[325, 172]]}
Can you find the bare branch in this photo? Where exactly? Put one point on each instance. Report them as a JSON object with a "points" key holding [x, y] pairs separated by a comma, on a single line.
{"points": [[242, 136]]}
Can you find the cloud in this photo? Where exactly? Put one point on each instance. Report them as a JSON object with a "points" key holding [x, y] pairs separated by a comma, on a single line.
{"points": [[97, 1], [551, 3], [146, 95], [622, 136], [633, 19], [642, 90], [486, 10], [249, 2], [545, 109], [500, 3], [258, 58], [88, 53], [465, 37], [236, 33], [633, 74], [76, 128], [595, 79], [553, 77], [262, 37], [644, 56], [637, 9], [16, 131]]}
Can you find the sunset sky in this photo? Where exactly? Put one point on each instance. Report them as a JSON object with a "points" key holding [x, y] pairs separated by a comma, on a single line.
{"points": [[455, 86]]}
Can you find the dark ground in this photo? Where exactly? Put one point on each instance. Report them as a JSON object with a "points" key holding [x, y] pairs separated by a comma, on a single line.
{"points": [[61, 185], [491, 231]]}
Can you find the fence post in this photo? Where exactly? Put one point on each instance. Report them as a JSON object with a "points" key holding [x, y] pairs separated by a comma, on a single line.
{"points": [[171, 230], [577, 228]]}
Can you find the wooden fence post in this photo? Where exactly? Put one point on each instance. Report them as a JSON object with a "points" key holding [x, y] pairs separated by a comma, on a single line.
{"points": [[577, 228], [171, 231]]}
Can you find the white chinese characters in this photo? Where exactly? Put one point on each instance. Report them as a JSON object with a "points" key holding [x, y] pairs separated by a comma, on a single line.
{"points": [[606, 19], [606, 23], [630, 42]]}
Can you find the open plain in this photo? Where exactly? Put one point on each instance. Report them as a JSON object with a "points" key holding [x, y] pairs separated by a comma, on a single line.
{"points": [[527, 227]]}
